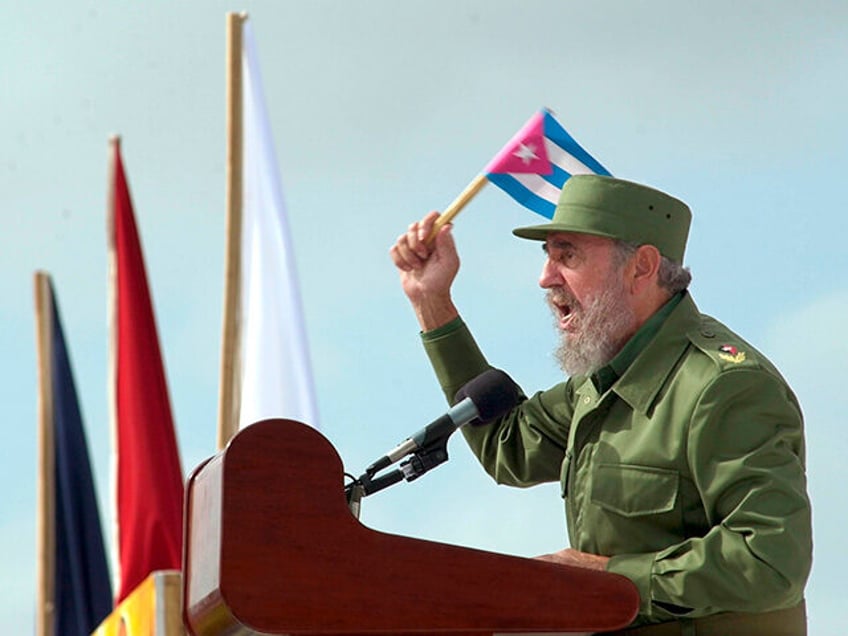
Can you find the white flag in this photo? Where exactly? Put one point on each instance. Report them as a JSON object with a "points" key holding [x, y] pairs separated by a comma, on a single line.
{"points": [[276, 374]]}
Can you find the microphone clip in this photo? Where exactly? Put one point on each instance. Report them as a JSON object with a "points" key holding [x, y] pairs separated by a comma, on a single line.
{"points": [[421, 461], [425, 459]]}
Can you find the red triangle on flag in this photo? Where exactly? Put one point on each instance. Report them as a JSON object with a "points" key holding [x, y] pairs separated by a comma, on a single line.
{"points": [[525, 153]]}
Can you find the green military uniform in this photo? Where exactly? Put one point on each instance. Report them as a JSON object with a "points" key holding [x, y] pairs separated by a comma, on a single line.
{"points": [[683, 460], [688, 470]]}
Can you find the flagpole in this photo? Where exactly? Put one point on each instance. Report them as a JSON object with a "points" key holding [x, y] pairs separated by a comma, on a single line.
{"points": [[112, 358], [459, 203], [228, 400], [45, 615]]}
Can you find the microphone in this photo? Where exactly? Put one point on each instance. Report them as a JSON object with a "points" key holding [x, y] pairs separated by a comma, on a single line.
{"points": [[485, 398]]}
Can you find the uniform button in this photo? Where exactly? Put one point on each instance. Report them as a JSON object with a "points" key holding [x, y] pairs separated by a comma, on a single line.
{"points": [[707, 333], [587, 400]]}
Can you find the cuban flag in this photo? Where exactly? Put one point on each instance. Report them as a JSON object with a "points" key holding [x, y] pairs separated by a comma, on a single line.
{"points": [[537, 161]]}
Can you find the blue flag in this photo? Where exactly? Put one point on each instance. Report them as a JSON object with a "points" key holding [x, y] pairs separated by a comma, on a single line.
{"points": [[83, 591]]}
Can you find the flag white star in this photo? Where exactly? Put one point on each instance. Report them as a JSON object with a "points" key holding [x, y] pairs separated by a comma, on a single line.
{"points": [[527, 153]]}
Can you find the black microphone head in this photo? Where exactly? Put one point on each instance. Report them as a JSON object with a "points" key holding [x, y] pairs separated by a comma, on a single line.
{"points": [[494, 394]]}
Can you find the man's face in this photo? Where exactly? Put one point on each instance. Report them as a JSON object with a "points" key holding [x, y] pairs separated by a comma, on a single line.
{"points": [[588, 297]]}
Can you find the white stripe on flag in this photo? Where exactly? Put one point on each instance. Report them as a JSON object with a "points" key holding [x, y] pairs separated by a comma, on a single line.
{"points": [[276, 374], [565, 160], [538, 186]]}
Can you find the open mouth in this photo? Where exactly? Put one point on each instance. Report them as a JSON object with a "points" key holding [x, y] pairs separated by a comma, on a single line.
{"points": [[566, 317], [564, 311]]}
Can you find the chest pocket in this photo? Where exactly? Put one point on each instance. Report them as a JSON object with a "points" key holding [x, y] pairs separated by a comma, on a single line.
{"points": [[634, 491]]}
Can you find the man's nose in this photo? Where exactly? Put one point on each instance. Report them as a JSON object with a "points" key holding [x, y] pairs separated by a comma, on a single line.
{"points": [[550, 276]]}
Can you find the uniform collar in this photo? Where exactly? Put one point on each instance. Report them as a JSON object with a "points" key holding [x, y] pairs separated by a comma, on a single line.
{"points": [[606, 376], [654, 361]]}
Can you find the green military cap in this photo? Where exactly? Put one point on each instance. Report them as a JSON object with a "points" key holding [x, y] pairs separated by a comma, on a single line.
{"points": [[604, 206]]}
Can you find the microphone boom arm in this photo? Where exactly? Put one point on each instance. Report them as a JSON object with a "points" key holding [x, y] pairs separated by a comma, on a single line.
{"points": [[420, 462]]}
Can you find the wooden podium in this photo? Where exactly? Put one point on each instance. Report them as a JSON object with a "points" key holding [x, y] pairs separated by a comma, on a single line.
{"points": [[272, 548]]}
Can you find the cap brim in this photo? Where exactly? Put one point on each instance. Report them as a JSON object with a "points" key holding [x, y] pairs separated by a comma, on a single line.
{"points": [[540, 232]]}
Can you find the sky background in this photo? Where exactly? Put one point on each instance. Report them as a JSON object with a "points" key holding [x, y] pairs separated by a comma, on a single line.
{"points": [[382, 111]]}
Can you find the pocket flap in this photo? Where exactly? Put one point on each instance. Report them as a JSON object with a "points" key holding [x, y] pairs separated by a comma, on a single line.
{"points": [[633, 491]]}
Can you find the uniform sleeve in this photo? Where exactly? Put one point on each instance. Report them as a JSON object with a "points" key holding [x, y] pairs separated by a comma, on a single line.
{"points": [[454, 356], [525, 447], [745, 450]]}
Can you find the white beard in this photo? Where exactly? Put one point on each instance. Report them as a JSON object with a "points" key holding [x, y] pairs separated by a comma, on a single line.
{"points": [[603, 325]]}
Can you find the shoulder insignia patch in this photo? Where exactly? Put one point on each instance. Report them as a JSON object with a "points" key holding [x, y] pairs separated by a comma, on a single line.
{"points": [[731, 354]]}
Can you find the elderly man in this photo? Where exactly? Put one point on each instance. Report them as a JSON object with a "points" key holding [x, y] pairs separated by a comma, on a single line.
{"points": [[678, 446]]}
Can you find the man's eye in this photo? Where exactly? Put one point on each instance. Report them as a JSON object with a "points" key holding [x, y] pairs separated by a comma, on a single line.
{"points": [[566, 255]]}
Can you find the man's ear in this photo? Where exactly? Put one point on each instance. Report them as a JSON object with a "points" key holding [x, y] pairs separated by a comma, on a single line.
{"points": [[645, 267]]}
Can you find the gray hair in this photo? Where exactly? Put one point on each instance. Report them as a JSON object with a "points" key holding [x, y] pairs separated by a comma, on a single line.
{"points": [[672, 276]]}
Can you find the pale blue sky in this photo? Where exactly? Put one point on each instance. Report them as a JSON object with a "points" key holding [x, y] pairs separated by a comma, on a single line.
{"points": [[382, 111]]}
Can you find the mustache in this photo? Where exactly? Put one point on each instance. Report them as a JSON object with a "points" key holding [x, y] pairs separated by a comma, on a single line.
{"points": [[559, 296]]}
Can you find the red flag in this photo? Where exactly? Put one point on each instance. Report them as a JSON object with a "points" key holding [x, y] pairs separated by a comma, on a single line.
{"points": [[149, 480]]}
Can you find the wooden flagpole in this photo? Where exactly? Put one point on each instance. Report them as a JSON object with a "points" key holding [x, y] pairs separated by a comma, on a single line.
{"points": [[45, 615], [229, 393], [455, 208], [112, 358]]}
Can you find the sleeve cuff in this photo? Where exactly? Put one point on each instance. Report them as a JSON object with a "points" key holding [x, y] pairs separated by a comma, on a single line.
{"points": [[637, 568], [448, 328]]}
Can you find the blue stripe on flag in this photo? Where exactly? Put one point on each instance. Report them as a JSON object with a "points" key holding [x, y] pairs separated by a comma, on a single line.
{"points": [[557, 134], [558, 177], [83, 593], [523, 195]]}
